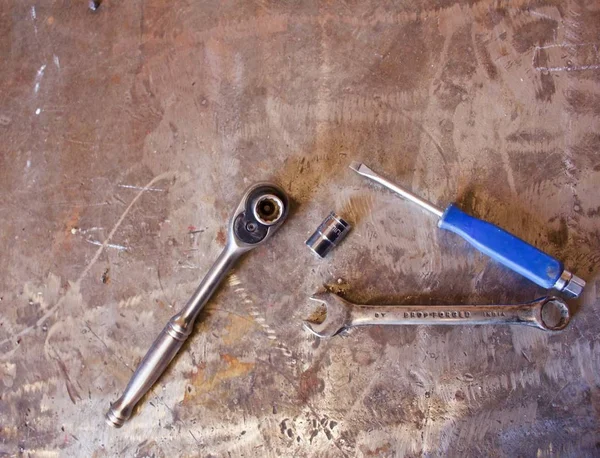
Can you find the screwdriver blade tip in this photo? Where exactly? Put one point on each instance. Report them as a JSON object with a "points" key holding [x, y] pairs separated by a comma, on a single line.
{"points": [[355, 165]]}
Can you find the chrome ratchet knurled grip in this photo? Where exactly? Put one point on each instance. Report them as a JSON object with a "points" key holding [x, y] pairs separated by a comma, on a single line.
{"points": [[260, 213]]}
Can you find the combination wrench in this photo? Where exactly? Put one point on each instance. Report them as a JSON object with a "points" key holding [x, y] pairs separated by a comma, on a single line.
{"points": [[548, 313], [260, 213]]}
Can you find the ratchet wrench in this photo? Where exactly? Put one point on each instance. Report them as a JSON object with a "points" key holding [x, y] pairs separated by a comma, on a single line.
{"points": [[260, 213], [548, 313]]}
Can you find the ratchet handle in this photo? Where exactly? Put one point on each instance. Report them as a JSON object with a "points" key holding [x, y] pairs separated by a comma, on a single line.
{"points": [[156, 361], [503, 247]]}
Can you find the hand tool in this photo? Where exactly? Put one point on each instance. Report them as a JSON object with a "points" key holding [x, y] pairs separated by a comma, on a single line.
{"points": [[330, 233], [507, 249], [548, 313], [260, 213]]}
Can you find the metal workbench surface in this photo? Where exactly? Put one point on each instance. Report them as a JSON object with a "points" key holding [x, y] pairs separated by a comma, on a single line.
{"points": [[129, 134]]}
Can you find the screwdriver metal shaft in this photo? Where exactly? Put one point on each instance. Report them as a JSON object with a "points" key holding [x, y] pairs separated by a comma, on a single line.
{"points": [[508, 249], [365, 171]]}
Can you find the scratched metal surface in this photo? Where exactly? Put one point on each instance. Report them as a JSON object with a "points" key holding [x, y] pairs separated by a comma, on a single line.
{"points": [[129, 134]]}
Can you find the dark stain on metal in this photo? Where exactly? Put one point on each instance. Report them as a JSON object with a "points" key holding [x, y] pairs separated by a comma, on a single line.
{"points": [[221, 237], [106, 276], [310, 383]]}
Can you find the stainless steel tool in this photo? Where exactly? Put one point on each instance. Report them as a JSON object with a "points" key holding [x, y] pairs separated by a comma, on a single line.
{"points": [[329, 234], [260, 213], [547, 313]]}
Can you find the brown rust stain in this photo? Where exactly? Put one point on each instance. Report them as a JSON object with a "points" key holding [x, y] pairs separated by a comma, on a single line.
{"points": [[310, 383], [459, 67], [492, 16], [357, 207], [546, 88], [583, 102], [221, 237], [204, 383], [560, 236], [536, 33], [392, 335], [63, 240], [407, 46], [384, 450], [238, 327], [485, 58]]}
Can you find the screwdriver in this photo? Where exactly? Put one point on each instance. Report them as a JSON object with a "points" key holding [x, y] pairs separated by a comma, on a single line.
{"points": [[507, 249]]}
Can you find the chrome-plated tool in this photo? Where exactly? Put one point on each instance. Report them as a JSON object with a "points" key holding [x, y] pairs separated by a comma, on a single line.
{"points": [[330, 233], [260, 213], [507, 249], [548, 313]]}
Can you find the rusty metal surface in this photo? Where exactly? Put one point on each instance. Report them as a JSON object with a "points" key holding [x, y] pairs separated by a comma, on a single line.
{"points": [[129, 133]]}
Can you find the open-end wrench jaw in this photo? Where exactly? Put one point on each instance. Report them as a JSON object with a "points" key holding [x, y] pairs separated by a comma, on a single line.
{"points": [[337, 315]]}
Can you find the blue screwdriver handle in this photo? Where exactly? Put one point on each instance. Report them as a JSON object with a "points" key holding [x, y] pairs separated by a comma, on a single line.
{"points": [[514, 253], [507, 249]]}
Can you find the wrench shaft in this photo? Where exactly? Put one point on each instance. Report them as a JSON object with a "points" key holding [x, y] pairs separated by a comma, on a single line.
{"points": [[447, 314]]}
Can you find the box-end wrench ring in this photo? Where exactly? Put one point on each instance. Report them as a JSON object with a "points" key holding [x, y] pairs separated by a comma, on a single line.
{"points": [[341, 314], [260, 213]]}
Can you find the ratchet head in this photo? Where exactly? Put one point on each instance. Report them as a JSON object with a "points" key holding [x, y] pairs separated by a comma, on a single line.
{"points": [[262, 210], [337, 315]]}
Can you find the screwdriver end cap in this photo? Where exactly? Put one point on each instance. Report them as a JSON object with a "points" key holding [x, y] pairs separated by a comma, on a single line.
{"points": [[570, 285]]}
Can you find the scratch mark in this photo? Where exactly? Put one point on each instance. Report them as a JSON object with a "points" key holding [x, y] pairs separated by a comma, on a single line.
{"points": [[363, 394], [546, 16], [508, 169], [198, 443], [576, 68], [258, 317], [52, 353], [108, 245], [56, 61], [292, 382], [38, 79], [106, 346], [570, 67], [130, 301], [129, 186], [71, 391], [565, 45], [168, 299], [33, 18], [85, 271], [85, 231], [431, 138], [188, 266], [78, 204]]}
